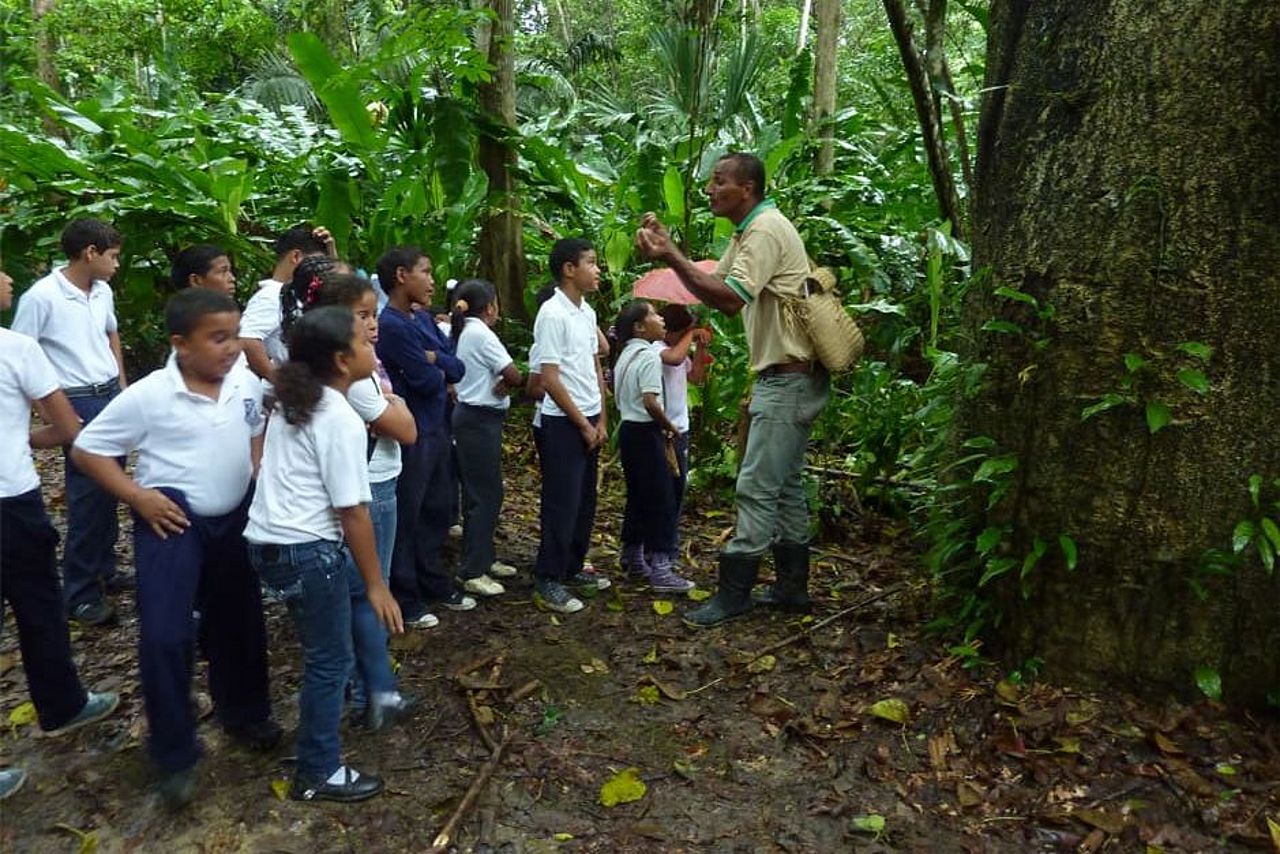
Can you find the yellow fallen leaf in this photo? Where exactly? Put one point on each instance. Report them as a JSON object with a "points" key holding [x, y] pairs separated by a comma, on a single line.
{"points": [[1274, 828], [647, 695], [662, 607], [88, 838], [280, 788], [763, 664], [891, 709], [697, 594], [622, 788], [562, 837], [651, 657], [23, 715]]}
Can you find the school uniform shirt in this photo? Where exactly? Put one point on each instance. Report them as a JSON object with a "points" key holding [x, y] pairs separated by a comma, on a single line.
{"points": [[637, 372], [71, 326], [675, 390], [567, 337], [26, 374], [367, 400], [485, 358], [184, 440], [535, 367], [261, 320], [308, 472]]}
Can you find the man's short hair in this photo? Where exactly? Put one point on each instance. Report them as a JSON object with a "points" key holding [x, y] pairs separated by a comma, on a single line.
{"points": [[301, 237], [567, 250], [184, 310], [80, 234], [747, 168]]}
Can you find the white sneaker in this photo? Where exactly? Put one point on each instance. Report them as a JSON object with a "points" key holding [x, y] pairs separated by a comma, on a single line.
{"points": [[455, 531], [502, 570], [426, 620], [483, 586]]}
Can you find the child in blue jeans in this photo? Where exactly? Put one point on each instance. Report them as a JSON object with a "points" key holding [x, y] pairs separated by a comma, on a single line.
{"points": [[307, 525]]}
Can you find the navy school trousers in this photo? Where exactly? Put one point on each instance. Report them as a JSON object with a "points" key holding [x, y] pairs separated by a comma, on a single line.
{"points": [[423, 502], [29, 583], [651, 509], [568, 498], [198, 586]]}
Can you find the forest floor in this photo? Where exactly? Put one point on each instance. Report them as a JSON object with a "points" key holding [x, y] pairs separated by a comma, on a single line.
{"points": [[795, 751]]}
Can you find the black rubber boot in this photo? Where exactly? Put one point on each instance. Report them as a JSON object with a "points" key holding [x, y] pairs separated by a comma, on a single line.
{"points": [[791, 590], [733, 596]]}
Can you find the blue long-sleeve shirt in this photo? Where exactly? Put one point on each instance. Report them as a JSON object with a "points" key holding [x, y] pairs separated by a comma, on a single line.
{"points": [[402, 344]]}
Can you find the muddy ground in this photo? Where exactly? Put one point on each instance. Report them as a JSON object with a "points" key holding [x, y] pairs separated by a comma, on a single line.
{"points": [[794, 751]]}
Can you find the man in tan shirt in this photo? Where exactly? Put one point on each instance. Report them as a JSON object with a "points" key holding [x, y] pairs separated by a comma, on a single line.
{"points": [[766, 262]]}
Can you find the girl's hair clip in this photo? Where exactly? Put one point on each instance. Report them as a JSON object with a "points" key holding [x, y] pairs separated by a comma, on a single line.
{"points": [[313, 290]]}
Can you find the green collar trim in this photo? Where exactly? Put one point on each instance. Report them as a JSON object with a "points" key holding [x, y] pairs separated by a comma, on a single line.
{"points": [[755, 212]]}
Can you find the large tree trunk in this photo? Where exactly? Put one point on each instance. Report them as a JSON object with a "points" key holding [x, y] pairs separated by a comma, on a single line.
{"points": [[824, 82], [501, 244], [1128, 177]]}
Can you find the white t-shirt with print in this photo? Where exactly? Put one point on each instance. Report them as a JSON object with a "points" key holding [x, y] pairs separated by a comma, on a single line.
{"points": [[71, 326], [485, 358], [184, 440], [308, 473], [637, 372], [567, 336], [367, 400], [26, 375]]}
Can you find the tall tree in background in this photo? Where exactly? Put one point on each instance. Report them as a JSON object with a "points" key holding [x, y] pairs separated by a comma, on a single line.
{"points": [[1127, 234], [824, 82], [501, 245]]}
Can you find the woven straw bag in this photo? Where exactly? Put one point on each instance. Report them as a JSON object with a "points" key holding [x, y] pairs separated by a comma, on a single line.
{"points": [[820, 316]]}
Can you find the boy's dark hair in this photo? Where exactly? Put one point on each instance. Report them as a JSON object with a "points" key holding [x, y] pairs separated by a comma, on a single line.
{"points": [[677, 317], [747, 168], [80, 234], [313, 342], [297, 293], [185, 309], [470, 299], [300, 237], [625, 326], [392, 260], [194, 260], [344, 289], [567, 250]]}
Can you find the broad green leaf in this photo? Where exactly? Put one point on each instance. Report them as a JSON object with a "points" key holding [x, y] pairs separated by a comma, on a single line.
{"points": [[988, 539], [980, 442], [1003, 326], [1133, 362], [1158, 416], [996, 568], [1255, 490], [1196, 350], [1010, 293], [1108, 401], [995, 466], [1209, 682], [335, 87], [1242, 535], [872, 823], [622, 788], [1194, 380], [1069, 551], [892, 709], [1038, 549], [673, 192], [1268, 554], [1271, 531]]}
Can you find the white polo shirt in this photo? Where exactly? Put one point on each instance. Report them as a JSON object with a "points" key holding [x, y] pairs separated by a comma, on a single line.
{"points": [[309, 472], [535, 367], [71, 326], [675, 390], [367, 400], [567, 336], [485, 358], [184, 440], [261, 320], [25, 375], [637, 372]]}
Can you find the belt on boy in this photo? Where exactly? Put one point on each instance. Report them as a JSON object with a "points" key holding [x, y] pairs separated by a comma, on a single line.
{"points": [[111, 386]]}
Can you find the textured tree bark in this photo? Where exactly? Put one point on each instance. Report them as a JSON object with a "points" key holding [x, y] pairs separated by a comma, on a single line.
{"points": [[501, 244], [1128, 175], [824, 82], [46, 68]]}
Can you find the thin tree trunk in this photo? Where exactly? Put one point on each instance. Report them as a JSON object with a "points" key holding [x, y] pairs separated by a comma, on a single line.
{"points": [[501, 244], [802, 39], [45, 50], [824, 83], [944, 185], [1129, 182]]}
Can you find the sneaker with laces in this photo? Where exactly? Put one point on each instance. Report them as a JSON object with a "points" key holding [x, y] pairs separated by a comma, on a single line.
{"points": [[457, 601], [99, 613], [589, 583], [502, 570], [483, 586], [663, 578], [425, 620], [553, 596], [95, 708]]}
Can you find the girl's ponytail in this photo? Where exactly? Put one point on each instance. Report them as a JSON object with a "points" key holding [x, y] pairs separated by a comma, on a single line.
{"points": [[314, 339], [470, 299], [303, 289]]}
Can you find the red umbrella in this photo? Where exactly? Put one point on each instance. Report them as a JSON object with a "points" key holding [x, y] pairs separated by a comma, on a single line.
{"points": [[663, 284]]}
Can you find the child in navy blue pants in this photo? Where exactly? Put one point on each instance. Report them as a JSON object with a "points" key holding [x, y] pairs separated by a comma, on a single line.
{"points": [[197, 426]]}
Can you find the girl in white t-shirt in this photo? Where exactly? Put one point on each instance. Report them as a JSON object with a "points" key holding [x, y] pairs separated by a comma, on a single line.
{"points": [[390, 424], [308, 523], [645, 443], [478, 417]]}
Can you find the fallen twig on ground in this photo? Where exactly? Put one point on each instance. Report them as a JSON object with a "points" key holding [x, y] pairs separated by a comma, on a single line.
{"points": [[445, 837]]}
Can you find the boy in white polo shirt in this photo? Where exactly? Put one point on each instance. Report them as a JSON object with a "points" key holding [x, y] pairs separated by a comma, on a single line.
{"points": [[71, 315], [197, 426], [261, 330], [573, 427], [28, 542]]}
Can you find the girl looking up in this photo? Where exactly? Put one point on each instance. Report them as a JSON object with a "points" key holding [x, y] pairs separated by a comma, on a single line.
{"points": [[308, 523], [645, 440], [477, 428]]}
